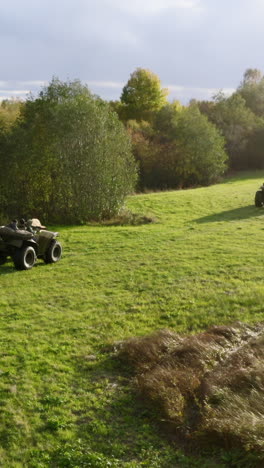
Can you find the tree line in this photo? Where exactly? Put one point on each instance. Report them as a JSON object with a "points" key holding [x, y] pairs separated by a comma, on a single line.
{"points": [[68, 156], [181, 146]]}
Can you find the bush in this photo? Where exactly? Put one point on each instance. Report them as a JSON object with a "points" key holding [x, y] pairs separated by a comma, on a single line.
{"points": [[69, 156]]}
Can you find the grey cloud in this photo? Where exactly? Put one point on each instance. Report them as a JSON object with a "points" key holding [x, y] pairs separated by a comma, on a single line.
{"points": [[206, 47]]}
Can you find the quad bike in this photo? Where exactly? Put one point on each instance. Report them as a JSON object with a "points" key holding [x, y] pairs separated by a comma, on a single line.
{"points": [[259, 197], [25, 247]]}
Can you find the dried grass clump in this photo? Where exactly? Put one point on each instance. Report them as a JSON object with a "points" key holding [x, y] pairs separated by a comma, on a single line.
{"points": [[126, 217], [208, 386]]}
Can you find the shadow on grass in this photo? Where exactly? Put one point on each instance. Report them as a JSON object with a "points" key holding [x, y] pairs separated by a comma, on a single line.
{"points": [[240, 176], [114, 427], [244, 212], [9, 268], [6, 269]]}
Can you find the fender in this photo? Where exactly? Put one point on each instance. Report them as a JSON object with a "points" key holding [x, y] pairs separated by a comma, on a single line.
{"points": [[33, 244]]}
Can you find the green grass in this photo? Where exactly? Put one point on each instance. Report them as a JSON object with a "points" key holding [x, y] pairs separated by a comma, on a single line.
{"points": [[64, 402]]}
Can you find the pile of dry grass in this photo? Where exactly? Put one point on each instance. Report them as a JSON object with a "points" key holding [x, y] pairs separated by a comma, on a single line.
{"points": [[126, 218], [208, 386]]}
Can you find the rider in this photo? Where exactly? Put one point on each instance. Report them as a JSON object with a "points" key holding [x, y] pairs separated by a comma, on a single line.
{"points": [[13, 225], [22, 224], [29, 226]]}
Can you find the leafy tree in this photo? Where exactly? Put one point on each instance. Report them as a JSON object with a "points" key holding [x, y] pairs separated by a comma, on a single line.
{"points": [[156, 157], [203, 157], [9, 112], [70, 156], [143, 95], [121, 110], [164, 121], [206, 107], [236, 123], [252, 90], [182, 149], [251, 76], [253, 156]]}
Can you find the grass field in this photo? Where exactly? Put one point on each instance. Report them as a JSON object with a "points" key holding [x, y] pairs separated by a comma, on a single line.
{"points": [[64, 401]]}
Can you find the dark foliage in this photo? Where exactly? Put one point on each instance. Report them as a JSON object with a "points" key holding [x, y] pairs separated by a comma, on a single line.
{"points": [[69, 158]]}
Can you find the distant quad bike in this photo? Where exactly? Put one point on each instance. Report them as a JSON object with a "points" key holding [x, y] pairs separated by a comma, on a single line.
{"points": [[25, 247], [259, 197]]}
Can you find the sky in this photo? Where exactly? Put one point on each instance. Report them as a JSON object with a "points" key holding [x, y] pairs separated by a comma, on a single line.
{"points": [[196, 47]]}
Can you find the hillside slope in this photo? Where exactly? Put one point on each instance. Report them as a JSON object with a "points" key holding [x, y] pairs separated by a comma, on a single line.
{"points": [[64, 402]]}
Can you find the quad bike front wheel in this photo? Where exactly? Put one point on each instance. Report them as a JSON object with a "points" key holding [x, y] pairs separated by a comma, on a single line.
{"points": [[24, 258], [53, 253]]}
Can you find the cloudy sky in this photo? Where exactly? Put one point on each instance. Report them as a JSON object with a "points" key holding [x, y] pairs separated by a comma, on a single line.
{"points": [[196, 47]]}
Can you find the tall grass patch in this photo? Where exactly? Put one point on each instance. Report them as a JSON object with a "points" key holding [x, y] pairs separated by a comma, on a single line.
{"points": [[208, 387]]}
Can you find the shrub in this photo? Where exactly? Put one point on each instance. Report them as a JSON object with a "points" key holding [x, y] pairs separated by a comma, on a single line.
{"points": [[70, 157]]}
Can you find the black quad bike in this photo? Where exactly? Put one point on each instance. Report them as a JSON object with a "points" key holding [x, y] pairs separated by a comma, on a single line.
{"points": [[259, 197], [25, 247]]}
